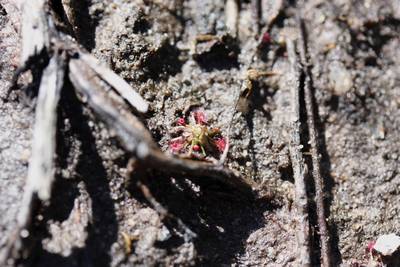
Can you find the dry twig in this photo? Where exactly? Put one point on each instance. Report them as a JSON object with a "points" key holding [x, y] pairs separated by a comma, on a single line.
{"points": [[232, 16], [315, 155], [117, 83], [256, 13], [298, 164]]}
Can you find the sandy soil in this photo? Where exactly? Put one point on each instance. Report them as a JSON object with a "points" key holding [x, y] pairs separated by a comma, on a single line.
{"points": [[355, 59]]}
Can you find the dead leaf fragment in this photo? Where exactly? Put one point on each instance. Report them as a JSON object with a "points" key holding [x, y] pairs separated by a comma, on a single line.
{"points": [[387, 244]]}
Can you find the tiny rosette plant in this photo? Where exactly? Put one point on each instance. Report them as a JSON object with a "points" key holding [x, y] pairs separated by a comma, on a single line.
{"points": [[195, 139]]}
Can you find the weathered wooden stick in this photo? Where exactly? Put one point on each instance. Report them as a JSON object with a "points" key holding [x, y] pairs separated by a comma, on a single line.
{"points": [[117, 83], [41, 165], [232, 16], [256, 14], [35, 28], [315, 155], [298, 164]]}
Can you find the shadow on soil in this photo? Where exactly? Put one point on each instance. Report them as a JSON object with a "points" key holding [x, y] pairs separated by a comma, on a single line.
{"points": [[221, 218], [102, 231], [80, 23], [258, 97]]}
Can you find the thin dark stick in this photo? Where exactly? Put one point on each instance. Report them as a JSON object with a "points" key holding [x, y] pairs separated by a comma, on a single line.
{"points": [[315, 156], [298, 164]]}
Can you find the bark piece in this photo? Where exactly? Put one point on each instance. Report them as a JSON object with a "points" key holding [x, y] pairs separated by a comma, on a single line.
{"points": [[41, 165]]}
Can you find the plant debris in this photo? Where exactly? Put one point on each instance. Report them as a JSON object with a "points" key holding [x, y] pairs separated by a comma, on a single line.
{"points": [[387, 245]]}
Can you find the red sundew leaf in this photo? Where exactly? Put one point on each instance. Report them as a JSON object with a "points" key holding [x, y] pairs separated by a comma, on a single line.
{"points": [[181, 122], [220, 143], [370, 246], [176, 144], [266, 38], [200, 117]]}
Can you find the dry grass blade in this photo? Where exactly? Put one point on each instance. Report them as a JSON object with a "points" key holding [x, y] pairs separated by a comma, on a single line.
{"points": [[93, 81], [256, 14], [298, 164]]}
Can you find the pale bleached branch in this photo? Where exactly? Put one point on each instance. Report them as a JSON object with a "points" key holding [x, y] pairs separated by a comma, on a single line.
{"points": [[93, 81], [35, 28], [116, 82], [232, 16], [41, 165]]}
